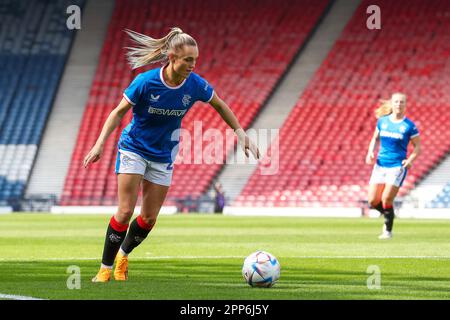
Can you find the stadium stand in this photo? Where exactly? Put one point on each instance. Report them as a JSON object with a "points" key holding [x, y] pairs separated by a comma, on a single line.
{"points": [[324, 141], [442, 200], [32, 59], [245, 47]]}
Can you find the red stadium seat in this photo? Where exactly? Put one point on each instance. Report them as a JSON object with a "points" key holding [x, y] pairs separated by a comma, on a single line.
{"points": [[325, 138], [241, 57]]}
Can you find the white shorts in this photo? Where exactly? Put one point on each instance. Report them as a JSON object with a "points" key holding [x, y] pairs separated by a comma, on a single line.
{"points": [[156, 172], [392, 176]]}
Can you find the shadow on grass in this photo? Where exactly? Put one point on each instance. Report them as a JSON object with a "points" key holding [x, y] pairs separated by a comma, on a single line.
{"points": [[199, 279]]}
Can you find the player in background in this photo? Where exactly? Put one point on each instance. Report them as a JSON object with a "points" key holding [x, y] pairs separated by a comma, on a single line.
{"points": [[394, 131], [148, 146]]}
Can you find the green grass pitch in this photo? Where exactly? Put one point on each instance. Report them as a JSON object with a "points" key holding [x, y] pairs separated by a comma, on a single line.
{"points": [[195, 257]]}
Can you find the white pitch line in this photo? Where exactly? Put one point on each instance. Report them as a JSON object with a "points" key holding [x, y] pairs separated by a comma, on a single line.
{"points": [[14, 297], [136, 258], [225, 257]]}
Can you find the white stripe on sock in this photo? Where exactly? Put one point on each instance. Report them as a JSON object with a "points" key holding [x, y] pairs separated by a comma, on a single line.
{"points": [[123, 253]]}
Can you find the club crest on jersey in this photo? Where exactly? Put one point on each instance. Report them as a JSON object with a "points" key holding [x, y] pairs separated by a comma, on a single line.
{"points": [[186, 100], [402, 129], [384, 126], [154, 98]]}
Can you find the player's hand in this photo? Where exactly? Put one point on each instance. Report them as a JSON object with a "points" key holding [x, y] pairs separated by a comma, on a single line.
{"points": [[406, 164], [247, 144], [93, 155], [370, 158]]}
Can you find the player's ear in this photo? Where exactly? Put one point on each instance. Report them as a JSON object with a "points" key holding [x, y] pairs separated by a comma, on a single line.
{"points": [[172, 57]]}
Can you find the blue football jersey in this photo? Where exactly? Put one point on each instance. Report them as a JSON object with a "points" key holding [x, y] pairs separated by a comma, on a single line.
{"points": [[394, 139], [157, 113]]}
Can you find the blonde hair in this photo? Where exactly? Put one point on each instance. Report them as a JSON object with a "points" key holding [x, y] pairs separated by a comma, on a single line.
{"points": [[150, 50], [385, 107]]}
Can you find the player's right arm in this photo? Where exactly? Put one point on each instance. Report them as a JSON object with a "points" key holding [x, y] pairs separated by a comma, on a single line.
{"points": [[111, 123], [370, 158]]}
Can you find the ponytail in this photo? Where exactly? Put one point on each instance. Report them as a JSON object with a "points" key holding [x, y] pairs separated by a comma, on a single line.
{"points": [[150, 50], [384, 109]]}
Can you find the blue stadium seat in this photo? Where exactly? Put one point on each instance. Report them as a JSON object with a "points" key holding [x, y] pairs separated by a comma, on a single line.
{"points": [[32, 59], [442, 200]]}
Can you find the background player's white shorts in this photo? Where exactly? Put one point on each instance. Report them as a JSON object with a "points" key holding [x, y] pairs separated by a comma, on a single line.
{"points": [[156, 172], [392, 176]]}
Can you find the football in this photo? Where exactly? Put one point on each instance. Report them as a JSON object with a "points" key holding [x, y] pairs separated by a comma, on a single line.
{"points": [[261, 269]]}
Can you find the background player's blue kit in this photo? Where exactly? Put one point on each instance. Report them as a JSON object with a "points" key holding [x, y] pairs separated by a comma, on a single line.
{"points": [[394, 139]]}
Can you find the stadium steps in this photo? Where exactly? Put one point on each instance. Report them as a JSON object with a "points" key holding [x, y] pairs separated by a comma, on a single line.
{"points": [[430, 187], [234, 177], [60, 135], [324, 140]]}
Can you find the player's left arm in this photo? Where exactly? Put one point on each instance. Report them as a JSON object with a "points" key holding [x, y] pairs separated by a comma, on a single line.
{"points": [[229, 117], [407, 163]]}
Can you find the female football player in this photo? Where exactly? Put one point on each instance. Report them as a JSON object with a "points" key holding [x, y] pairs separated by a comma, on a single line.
{"points": [[159, 98], [394, 131]]}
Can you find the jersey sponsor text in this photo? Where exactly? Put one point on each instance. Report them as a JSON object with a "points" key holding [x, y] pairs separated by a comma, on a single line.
{"points": [[166, 112], [388, 134]]}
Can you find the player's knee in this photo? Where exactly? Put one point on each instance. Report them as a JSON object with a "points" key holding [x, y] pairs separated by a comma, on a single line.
{"points": [[123, 215]]}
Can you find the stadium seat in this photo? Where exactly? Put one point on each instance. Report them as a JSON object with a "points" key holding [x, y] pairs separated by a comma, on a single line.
{"points": [[32, 59], [245, 47], [442, 200], [324, 141]]}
